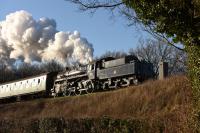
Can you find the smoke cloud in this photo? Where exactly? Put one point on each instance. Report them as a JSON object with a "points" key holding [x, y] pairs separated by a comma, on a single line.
{"points": [[28, 40]]}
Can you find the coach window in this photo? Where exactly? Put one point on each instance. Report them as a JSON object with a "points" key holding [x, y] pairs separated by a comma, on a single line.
{"points": [[20, 85], [14, 86], [11, 87], [38, 81]]}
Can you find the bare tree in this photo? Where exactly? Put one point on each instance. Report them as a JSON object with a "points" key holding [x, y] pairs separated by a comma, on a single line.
{"points": [[6, 74], [85, 5], [26, 70], [51, 66], [115, 54], [156, 50]]}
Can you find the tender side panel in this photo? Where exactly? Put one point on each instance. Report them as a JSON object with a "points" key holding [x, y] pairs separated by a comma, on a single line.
{"points": [[145, 70], [22, 87], [118, 71]]}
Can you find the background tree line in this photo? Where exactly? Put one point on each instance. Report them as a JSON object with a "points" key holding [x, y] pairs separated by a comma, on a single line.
{"points": [[25, 70]]}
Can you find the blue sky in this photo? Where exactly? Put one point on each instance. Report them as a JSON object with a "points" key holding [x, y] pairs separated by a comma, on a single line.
{"points": [[99, 29]]}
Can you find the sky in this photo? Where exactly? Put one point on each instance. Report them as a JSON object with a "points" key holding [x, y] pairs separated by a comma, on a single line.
{"points": [[104, 32]]}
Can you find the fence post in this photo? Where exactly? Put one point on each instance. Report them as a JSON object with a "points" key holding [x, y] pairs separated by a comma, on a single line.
{"points": [[163, 70]]}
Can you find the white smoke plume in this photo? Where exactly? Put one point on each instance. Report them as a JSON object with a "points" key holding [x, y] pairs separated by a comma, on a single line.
{"points": [[28, 40]]}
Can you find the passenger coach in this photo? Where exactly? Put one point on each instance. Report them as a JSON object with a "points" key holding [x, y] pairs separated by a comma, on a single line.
{"points": [[35, 85]]}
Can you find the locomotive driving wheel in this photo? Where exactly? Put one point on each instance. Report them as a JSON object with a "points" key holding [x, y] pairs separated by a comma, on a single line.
{"points": [[89, 86], [135, 82], [67, 92], [105, 86], [77, 91]]}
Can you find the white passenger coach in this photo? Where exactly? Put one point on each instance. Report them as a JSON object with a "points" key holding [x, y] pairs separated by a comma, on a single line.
{"points": [[31, 85]]}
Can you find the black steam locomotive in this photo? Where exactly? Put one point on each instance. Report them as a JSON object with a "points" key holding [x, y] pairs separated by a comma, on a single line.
{"points": [[103, 74]]}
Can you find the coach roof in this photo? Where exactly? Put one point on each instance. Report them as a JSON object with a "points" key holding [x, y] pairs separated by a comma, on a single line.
{"points": [[30, 77]]}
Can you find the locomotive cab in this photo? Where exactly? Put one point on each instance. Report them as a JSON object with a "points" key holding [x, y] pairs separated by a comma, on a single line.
{"points": [[91, 70], [93, 67]]}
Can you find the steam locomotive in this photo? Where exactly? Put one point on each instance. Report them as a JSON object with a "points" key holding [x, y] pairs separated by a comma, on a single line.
{"points": [[103, 74]]}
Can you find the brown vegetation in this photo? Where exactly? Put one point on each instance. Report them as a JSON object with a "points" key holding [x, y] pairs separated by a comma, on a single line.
{"points": [[166, 102]]}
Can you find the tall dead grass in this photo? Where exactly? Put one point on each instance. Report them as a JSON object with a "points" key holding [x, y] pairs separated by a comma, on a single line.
{"points": [[167, 102]]}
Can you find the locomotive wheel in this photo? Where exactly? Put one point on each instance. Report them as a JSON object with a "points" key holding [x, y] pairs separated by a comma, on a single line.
{"points": [[67, 93], [77, 92], [90, 87], [105, 86], [135, 82], [97, 86]]}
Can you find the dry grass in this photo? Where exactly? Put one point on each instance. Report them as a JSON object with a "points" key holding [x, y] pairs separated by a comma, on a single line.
{"points": [[167, 101]]}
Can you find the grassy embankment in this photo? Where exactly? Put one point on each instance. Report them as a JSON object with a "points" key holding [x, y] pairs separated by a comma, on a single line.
{"points": [[155, 106]]}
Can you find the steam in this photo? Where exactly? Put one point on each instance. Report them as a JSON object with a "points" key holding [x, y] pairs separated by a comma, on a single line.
{"points": [[28, 40]]}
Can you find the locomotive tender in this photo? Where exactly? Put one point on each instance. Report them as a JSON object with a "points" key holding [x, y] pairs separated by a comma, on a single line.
{"points": [[103, 74]]}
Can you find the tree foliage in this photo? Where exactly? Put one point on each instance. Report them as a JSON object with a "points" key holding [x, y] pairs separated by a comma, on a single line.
{"points": [[178, 19]]}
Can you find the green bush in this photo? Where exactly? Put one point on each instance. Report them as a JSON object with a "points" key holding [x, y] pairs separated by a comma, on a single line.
{"points": [[194, 74]]}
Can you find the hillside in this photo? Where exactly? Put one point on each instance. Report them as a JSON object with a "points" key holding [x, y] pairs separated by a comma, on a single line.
{"points": [[162, 105]]}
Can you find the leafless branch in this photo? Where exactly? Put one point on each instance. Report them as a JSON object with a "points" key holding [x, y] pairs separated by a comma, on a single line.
{"points": [[159, 36], [95, 4]]}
